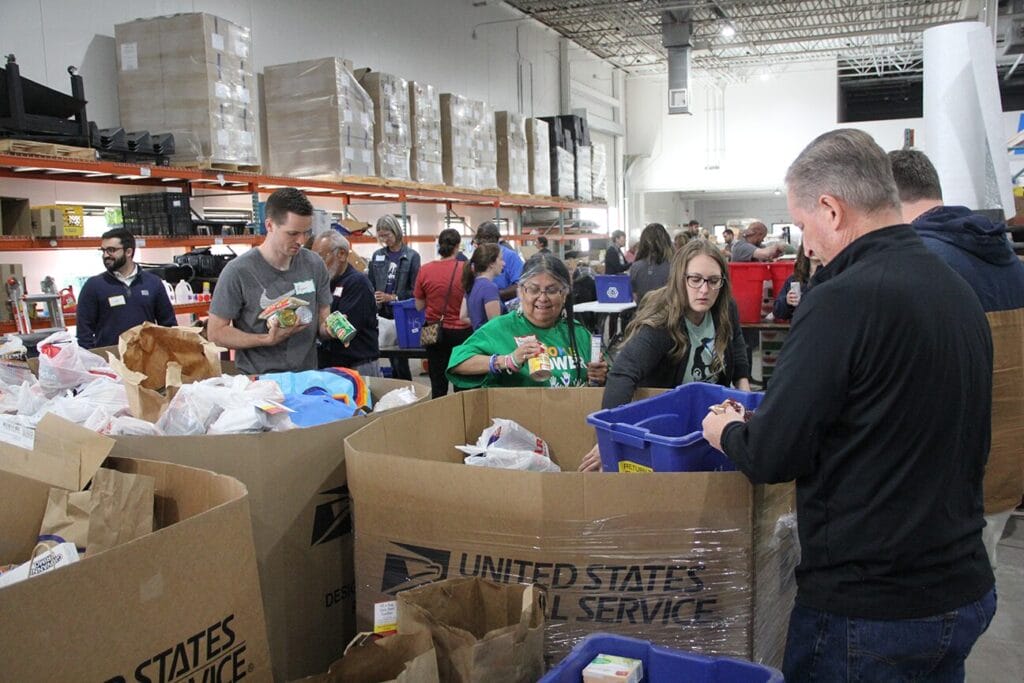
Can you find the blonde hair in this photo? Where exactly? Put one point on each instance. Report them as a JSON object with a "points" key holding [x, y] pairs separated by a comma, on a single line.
{"points": [[665, 307]]}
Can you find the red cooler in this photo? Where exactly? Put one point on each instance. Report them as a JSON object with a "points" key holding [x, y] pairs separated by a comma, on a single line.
{"points": [[747, 280]]}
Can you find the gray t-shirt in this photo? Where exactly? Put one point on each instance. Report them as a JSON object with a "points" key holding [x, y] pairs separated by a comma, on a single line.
{"points": [[645, 276], [742, 250], [702, 351], [249, 284]]}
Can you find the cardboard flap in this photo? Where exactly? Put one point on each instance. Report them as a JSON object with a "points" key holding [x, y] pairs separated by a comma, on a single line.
{"points": [[149, 348], [65, 455], [145, 404]]}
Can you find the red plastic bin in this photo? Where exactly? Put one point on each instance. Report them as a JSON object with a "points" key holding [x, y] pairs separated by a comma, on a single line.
{"points": [[780, 272], [747, 280]]}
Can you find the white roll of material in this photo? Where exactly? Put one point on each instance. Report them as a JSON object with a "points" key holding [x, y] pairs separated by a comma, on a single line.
{"points": [[963, 117]]}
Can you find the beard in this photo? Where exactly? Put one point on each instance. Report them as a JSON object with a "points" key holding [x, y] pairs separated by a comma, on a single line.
{"points": [[114, 264]]}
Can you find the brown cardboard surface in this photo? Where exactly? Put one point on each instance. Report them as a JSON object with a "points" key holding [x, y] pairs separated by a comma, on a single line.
{"points": [[675, 558], [65, 455], [1004, 472], [301, 524], [180, 602]]}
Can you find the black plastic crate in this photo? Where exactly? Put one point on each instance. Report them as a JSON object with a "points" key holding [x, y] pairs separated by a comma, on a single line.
{"points": [[157, 213]]}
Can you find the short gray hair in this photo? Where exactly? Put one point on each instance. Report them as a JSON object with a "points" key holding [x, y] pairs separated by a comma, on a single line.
{"points": [[845, 163], [335, 240]]}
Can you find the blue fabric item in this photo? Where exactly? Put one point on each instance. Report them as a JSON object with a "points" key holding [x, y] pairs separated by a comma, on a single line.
{"points": [[100, 324], [977, 249], [311, 410], [329, 383], [513, 269], [483, 291]]}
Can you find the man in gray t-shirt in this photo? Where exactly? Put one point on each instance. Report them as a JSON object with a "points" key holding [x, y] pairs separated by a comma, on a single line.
{"points": [[278, 268], [748, 247]]}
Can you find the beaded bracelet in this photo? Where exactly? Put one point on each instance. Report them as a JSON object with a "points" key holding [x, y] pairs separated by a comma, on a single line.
{"points": [[492, 365], [510, 366], [512, 358]]}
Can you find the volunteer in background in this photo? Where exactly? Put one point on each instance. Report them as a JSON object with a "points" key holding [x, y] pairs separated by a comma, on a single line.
{"points": [[277, 269], [483, 300], [681, 239], [978, 250], [728, 236], [614, 258], [653, 260], [880, 409], [392, 272], [508, 280], [542, 245], [789, 297], [497, 355], [439, 291], [351, 294], [749, 246], [120, 298]]}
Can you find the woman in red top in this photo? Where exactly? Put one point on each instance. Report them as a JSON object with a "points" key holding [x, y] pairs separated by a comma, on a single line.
{"points": [[439, 290]]}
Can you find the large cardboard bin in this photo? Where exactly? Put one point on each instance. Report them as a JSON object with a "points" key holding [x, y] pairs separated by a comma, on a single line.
{"points": [[181, 603], [301, 523], [698, 561]]}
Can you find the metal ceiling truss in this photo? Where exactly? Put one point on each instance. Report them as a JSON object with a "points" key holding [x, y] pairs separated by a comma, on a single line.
{"points": [[866, 37]]}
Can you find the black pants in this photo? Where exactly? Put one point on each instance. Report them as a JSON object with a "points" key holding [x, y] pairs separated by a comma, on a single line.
{"points": [[438, 356]]}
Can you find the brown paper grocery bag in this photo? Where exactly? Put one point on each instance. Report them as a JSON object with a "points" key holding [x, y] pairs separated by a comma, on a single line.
{"points": [[149, 349], [122, 509], [482, 631], [404, 658], [66, 520]]}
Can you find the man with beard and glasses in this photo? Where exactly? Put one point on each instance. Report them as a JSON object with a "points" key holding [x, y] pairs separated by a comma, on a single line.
{"points": [[120, 298]]}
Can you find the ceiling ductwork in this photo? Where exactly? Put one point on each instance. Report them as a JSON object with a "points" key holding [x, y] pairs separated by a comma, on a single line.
{"points": [[675, 38]]}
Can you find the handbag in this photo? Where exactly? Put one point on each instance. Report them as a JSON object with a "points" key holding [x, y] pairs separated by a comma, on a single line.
{"points": [[430, 333]]}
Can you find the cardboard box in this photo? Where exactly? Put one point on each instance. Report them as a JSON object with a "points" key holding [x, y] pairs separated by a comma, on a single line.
{"points": [[696, 561], [425, 131], [58, 221], [391, 132], [301, 524], [181, 603], [457, 140], [599, 171], [584, 179], [15, 218], [538, 156], [513, 166], [319, 120]]}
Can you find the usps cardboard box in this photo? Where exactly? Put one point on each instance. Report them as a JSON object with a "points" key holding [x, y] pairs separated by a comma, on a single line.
{"points": [[301, 523], [697, 561], [181, 603]]}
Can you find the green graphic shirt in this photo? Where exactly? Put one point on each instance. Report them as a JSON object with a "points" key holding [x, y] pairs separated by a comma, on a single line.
{"points": [[497, 336]]}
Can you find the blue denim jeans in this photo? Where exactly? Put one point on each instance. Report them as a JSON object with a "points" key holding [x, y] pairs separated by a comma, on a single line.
{"points": [[822, 646]]}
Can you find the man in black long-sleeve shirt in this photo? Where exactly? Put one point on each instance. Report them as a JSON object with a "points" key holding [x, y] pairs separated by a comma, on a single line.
{"points": [[879, 408]]}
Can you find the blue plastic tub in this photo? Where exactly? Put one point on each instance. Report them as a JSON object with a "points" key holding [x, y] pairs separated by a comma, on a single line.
{"points": [[408, 323], [663, 433], [613, 289], [661, 664]]}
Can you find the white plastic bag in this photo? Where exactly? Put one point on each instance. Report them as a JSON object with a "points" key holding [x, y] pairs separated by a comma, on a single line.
{"points": [[508, 445], [387, 334], [71, 367], [127, 425], [395, 398]]}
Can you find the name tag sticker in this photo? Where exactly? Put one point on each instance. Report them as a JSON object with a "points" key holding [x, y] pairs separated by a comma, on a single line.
{"points": [[305, 287], [145, 292], [338, 290], [116, 300], [378, 257]]}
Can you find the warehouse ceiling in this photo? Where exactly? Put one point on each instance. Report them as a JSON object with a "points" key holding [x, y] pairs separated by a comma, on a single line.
{"points": [[734, 40]]}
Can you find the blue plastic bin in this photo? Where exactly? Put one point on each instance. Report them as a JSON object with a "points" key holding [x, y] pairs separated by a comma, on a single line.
{"points": [[408, 323], [613, 289], [663, 433], [661, 664]]}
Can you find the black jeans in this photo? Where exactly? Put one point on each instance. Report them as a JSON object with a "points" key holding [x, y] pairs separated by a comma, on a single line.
{"points": [[439, 354]]}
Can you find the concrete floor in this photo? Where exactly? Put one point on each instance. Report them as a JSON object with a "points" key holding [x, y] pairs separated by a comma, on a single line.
{"points": [[999, 654]]}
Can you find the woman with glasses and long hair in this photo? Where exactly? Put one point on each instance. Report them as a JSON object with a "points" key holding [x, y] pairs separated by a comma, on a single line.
{"points": [[498, 353]]}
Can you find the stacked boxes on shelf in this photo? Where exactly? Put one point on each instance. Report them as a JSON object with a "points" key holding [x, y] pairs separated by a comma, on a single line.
{"points": [[485, 146], [513, 167], [570, 133], [391, 133], [457, 139], [319, 120], [190, 75], [584, 179], [538, 156], [58, 220], [425, 119], [599, 171], [157, 213]]}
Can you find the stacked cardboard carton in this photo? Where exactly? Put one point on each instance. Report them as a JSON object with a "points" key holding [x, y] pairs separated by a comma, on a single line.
{"points": [[538, 156], [457, 140], [563, 164], [190, 75], [513, 168], [599, 171], [584, 188], [319, 120], [485, 146], [425, 119], [391, 134]]}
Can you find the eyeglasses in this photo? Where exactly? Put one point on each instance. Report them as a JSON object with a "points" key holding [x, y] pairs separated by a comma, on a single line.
{"points": [[551, 291], [695, 281], [110, 251]]}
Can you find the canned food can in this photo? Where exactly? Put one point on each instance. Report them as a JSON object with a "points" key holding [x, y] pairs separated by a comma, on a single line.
{"points": [[304, 314], [539, 367], [287, 317], [339, 326]]}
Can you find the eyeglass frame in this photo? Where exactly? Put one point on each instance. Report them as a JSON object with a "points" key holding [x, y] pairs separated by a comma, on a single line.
{"points": [[109, 251], [559, 290], [704, 281]]}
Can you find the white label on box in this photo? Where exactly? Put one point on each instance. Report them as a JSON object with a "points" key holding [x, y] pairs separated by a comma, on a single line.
{"points": [[242, 49], [348, 116], [350, 154], [222, 138], [145, 171], [17, 434], [218, 240], [140, 243], [222, 91], [129, 56], [217, 41], [385, 617], [245, 137], [243, 94], [367, 156]]}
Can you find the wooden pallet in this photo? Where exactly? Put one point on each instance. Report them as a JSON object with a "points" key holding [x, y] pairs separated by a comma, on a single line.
{"points": [[210, 165], [46, 149]]}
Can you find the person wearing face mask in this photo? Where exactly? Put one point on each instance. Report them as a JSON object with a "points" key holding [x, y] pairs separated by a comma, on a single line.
{"points": [[121, 297], [498, 354]]}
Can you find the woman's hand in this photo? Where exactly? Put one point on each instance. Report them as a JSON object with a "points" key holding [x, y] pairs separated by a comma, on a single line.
{"points": [[528, 350], [792, 298], [597, 373], [591, 461]]}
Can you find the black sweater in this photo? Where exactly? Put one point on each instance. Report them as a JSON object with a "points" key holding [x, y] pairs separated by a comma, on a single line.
{"points": [[879, 408], [643, 362]]}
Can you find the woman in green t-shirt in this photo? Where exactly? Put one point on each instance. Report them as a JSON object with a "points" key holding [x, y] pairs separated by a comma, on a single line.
{"points": [[498, 354]]}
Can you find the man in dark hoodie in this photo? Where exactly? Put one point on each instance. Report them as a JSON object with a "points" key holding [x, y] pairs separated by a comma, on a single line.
{"points": [[978, 250]]}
